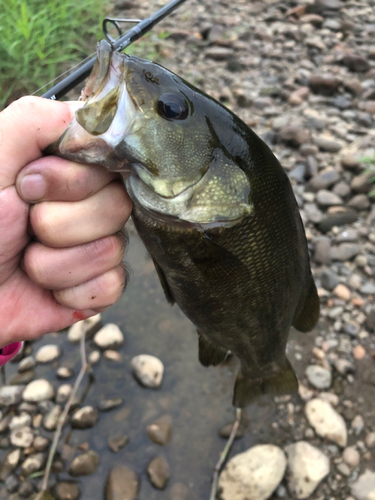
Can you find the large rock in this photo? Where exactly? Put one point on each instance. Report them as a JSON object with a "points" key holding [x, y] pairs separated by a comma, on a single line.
{"points": [[326, 421], [109, 337], [364, 487], [254, 474], [122, 484], [38, 390], [307, 466]]}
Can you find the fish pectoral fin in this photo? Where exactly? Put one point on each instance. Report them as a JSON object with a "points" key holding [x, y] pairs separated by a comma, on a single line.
{"points": [[307, 317], [164, 283], [247, 389], [210, 353]]}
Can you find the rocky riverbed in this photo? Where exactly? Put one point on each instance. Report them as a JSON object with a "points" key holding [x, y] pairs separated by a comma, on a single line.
{"points": [[148, 420]]}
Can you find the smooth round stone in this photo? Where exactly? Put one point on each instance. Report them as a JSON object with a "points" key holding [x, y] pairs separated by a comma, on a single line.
{"points": [[12, 483], [307, 467], [160, 431], [109, 337], [254, 474], [26, 364], [84, 464], [47, 353], [38, 390], [64, 372], [33, 464], [116, 444], [22, 437], [51, 419], [351, 456], [84, 418], [63, 393], [40, 443], [326, 421], [158, 472], [23, 420], [67, 491], [148, 370], [94, 357], [121, 484], [342, 292], [26, 489], [11, 394], [319, 377]]}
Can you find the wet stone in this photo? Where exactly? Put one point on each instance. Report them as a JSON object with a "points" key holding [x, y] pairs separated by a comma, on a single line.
{"points": [[67, 491], [64, 372], [26, 364], [26, 489], [326, 421], [158, 472], [84, 464], [11, 483], [319, 377], [109, 404], [38, 390], [47, 353], [160, 431], [109, 337], [148, 370], [11, 395], [23, 378], [63, 393], [121, 484], [40, 443], [118, 443], [178, 492], [51, 419], [307, 467], [10, 464], [255, 473], [84, 418], [33, 464]]}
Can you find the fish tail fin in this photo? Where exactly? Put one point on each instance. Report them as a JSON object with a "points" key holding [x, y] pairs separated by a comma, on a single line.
{"points": [[307, 316], [247, 389], [210, 353]]}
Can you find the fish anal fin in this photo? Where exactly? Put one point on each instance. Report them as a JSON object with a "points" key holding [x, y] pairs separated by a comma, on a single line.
{"points": [[210, 353], [247, 389], [307, 317], [164, 283]]}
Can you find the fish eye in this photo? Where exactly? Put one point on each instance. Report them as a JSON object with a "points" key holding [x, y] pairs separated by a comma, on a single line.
{"points": [[172, 107]]}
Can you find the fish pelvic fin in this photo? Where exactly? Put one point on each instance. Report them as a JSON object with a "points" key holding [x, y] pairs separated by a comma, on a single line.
{"points": [[307, 316], [210, 353], [247, 389]]}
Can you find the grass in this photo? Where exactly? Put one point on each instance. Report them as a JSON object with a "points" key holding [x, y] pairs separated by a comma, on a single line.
{"points": [[38, 38], [370, 161]]}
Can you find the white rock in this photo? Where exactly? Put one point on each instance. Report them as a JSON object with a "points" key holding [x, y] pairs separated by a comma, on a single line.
{"points": [[326, 421], [22, 437], [364, 487], [94, 357], [38, 390], [319, 377], [109, 337], [11, 394], [254, 474], [63, 393], [91, 325], [20, 421], [351, 456], [148, 370], [47, 353], [50, 420], [26, 364], [307, 466]]}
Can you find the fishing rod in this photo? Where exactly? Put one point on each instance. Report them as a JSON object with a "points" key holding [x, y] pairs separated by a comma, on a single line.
{"points": [[74, 79]]}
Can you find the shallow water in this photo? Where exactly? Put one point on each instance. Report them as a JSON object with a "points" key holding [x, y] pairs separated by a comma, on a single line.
{"points": [[198, 399]]}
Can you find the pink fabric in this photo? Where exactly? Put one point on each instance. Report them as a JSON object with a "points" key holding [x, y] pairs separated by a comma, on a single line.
{"points": [[9, 351]]}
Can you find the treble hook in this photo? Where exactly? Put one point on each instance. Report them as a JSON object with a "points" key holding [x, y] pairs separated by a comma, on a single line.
{"points": [[114, 22]]}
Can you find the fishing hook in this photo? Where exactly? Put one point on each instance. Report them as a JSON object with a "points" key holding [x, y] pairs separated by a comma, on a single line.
{"points": [[114, 22]]}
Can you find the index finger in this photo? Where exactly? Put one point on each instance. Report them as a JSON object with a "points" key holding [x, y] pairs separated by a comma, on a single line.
{"points": [[27, 127]]}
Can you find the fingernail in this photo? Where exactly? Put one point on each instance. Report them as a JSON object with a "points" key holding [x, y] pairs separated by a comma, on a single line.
{"points": [[33, 187]]}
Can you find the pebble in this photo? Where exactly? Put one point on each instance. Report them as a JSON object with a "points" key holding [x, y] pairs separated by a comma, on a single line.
{"points": [[63, 393], [343, 366], [160, 431], [26, 489], [329, 279], [22, 437], [364, 487], [178, 492], [326, 198], [326, 421], [12, 483], [322, 250], [51, 419], [319, 377], [368, 288], [342, 292], [33, 464], [84, 464], [94, 357], [121, 484], [359, 202], [358, 424], [91, 326], [26, 364], [253, 474], [47, 353], [109, 337], [118, 443], [351, 456], [359, 352], [158, 472], [370, 440], [148, 370], [344, 251], [84, 418], [64, 372], [323, 180], [327, 144], [38, 390], [112, 355], [10, 464], [109, 404], [40, 443], [67, 491], [11, 394], [307, 467], [23, 420]]}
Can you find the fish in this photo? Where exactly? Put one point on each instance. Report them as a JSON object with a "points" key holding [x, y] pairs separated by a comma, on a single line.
{"points": [[214, 208]]}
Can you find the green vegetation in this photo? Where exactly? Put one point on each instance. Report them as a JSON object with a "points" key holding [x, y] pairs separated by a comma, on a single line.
{"points": [[370, 160], [41, 38]]}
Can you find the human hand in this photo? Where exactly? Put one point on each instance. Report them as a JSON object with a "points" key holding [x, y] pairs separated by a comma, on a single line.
{"points": [[76, 212]]}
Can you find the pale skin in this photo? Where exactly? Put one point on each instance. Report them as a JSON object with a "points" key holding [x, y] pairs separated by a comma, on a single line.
{"points": [[61, 246]]}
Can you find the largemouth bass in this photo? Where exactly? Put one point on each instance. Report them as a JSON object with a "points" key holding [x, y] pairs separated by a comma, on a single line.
{"points": [[213, 207]]}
